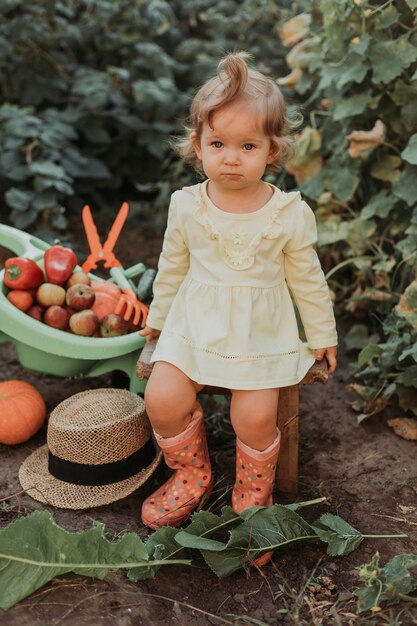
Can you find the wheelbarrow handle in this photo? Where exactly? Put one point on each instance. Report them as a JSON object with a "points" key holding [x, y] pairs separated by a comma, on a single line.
{"points": [[118, 275], [21, 243], [29, 246]]}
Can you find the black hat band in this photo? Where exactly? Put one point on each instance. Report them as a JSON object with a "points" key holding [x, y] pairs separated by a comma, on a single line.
{"points": [[105, 473]]}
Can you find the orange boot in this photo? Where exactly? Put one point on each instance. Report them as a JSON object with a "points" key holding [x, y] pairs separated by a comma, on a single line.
{"points": [[187, 454], [255, 477]]}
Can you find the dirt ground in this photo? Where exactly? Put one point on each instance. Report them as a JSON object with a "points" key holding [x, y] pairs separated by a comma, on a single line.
{"points": [[366, 473]]}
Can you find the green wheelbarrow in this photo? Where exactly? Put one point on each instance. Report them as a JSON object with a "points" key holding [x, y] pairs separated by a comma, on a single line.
{"points": [[45, 349]]}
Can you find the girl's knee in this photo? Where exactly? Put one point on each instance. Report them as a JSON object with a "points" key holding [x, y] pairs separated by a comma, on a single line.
{"points": [[259, 421], [156, 400], [168, 408]]}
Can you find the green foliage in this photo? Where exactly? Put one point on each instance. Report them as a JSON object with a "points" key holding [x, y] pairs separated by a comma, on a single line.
{"points": [[34, 549], [358, 89], [386, 585], [94, 90], [388, 368]]}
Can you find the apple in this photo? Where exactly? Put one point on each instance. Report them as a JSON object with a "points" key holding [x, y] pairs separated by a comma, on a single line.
{"points": [[57, 317], [113, 325], [133, 328], [78, 278], [80, 297], [84, 323], [48, 294], [36, 311]]}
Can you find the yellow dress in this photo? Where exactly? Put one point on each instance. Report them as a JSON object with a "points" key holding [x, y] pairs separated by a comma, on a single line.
{"points": [[221, 295]]}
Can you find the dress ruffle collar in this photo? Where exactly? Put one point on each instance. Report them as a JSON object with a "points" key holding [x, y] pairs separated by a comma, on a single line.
{"points": [[234, 254]]}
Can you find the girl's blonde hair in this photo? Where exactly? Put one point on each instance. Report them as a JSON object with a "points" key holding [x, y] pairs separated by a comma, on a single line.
{"points": [[235, 81]]}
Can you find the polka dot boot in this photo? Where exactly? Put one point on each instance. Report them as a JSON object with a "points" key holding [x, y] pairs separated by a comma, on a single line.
{"points": [[255, 478], [187, 454]]}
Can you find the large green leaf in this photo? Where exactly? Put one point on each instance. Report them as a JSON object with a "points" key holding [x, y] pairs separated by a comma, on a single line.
{"points": [[407, 397], [18, 199], [409, 154], [368, 353], [404, 186], [262, 529], [160, 545], [354, 69], [332, 230], [389, 58], [34, 549], [341, 537], [409, 377], [359, 233], [48, 169], [387, 17], [23, 125], [381, 205], [348, 107]]}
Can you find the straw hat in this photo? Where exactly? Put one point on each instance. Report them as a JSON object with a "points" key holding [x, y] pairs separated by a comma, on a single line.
{"points": [[99, 449]]}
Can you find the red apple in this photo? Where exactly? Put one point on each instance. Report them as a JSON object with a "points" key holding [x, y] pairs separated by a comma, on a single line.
{"points": [[134, 328], [78, 278], [36, 311], [57, 317], [80, 297], [84, 323], [48, 294], [113, 325]]}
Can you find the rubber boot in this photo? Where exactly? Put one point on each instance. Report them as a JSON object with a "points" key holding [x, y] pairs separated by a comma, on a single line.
{"points": [[187, 454], [255, 478]]}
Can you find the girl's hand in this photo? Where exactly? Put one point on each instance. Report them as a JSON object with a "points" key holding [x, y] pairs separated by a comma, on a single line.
{"points": [[330, 354], [151, 334]]}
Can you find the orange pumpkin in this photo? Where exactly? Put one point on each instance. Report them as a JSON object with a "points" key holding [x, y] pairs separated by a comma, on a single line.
{"points": [[107, 297], [22, 411]]}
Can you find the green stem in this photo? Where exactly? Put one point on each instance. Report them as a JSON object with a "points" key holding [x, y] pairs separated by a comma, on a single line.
{"points": [[346, 262], [313, 117], [300, 505], [304, 537], [282, 543], [406, 598], [381, 7], [108, 566], [384, 536]]}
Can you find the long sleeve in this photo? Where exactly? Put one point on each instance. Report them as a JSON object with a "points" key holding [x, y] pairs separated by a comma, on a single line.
{"points": [[172, 267], [307, 283]]}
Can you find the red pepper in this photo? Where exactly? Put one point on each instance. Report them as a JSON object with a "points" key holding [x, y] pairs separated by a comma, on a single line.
{"points": [[21, 273], [59, 264]]}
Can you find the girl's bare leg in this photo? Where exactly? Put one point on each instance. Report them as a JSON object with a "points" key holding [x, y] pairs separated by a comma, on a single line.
{"points": [[254, 416], [169, 398]]}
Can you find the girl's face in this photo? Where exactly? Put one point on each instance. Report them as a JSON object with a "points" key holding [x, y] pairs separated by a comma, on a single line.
{"points": [[234, 152]]}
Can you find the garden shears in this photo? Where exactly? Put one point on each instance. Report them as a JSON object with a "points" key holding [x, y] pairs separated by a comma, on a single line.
{"points": [[129, 302]]}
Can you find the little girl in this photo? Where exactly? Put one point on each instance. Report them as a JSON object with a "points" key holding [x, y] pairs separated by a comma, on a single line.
{"points": [[233, 248]]}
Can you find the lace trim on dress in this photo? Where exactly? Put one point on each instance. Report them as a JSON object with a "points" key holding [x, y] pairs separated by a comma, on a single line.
{"points": [[232, 246], [241, 357]]}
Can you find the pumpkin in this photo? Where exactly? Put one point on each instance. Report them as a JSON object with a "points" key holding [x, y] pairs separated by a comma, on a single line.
{"points": [[22, 411], [107, 297]]}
